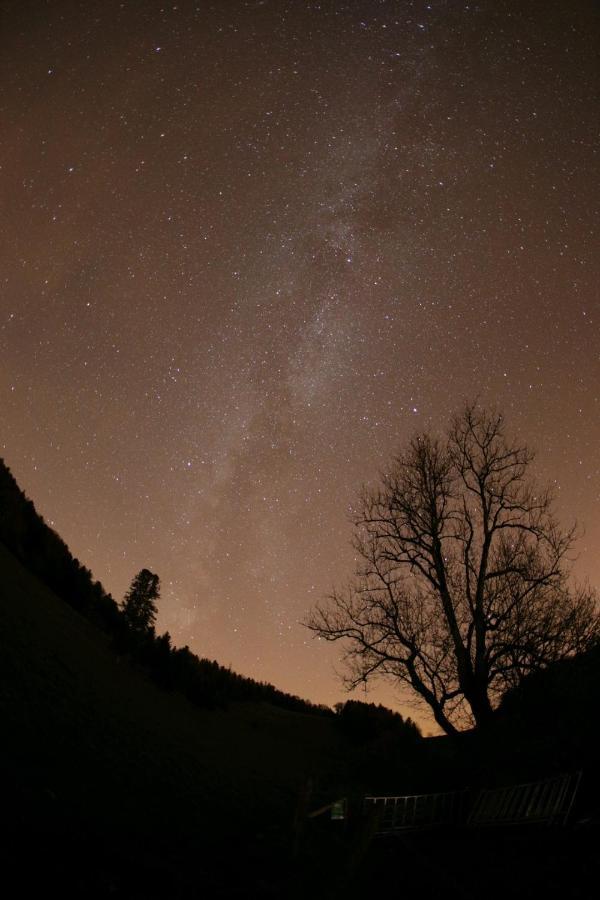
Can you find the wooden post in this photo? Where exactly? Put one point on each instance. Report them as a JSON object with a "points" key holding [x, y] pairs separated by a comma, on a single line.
{"points": [[301, 816]]}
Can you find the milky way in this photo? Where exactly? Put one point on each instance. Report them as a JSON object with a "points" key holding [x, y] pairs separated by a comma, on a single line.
{"points": [[248, 248]]}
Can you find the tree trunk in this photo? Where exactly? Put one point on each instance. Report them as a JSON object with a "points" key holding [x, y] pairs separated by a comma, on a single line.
{"points": [[480, 705]]}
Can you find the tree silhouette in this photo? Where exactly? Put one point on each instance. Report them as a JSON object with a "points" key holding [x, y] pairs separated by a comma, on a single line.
{"points": [[139, 606], [462, 585]]}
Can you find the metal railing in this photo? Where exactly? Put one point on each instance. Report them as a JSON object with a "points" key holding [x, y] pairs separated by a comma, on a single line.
{"points": [[417, 810], [545, 802], [548, 801]]}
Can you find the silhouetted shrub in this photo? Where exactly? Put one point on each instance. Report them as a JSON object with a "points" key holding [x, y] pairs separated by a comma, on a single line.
{"points": [[363, 722]]}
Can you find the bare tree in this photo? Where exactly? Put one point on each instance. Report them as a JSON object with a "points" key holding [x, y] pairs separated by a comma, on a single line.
{"points": [[462, 586]]}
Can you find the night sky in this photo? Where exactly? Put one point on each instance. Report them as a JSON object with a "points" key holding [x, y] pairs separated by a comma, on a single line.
{"points": [[247, 248]]}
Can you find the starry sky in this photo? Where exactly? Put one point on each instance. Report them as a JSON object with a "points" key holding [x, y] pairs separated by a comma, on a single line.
{"points": [[248, 248]]}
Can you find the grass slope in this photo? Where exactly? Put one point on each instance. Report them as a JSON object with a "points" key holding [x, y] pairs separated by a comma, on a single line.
{"points": [[116, 788]]}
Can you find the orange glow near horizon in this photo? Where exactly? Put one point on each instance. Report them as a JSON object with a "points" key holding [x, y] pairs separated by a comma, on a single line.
{"points": [[249, 249]]}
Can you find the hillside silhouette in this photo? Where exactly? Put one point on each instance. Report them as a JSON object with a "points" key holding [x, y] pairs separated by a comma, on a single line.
{"points": [[132, 778], [43, 552], [133, 769]]}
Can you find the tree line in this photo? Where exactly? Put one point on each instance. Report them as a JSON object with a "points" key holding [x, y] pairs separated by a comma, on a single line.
{"points": [[130, 625]]}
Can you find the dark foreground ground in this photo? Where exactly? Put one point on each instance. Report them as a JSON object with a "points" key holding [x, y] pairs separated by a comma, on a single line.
{"points": [[523, 863], [542, 862], [112, 788]]}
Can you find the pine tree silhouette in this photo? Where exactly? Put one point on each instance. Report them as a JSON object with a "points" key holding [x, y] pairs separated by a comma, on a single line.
{"points": [[139, 606]]}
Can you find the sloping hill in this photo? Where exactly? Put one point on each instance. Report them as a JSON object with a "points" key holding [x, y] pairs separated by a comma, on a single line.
{"points": [[120, 788], [42, 551]]}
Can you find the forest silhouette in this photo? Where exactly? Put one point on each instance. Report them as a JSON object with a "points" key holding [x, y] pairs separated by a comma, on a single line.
{"points": [[205, 682]]}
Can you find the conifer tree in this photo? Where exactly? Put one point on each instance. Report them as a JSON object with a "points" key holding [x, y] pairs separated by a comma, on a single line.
{"points": [[139, 605]]}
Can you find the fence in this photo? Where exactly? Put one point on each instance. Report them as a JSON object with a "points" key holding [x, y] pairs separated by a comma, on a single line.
{"points": [[543, 802], [547, 802], [418, 810]]}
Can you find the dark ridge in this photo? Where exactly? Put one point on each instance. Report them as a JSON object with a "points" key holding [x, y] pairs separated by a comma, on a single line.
{"points": [[115, 786], [44, 553]]}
